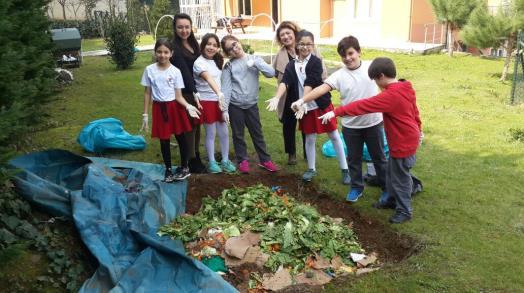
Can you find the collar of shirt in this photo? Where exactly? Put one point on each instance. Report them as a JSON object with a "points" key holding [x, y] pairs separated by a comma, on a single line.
{"points": [[303, 61]]}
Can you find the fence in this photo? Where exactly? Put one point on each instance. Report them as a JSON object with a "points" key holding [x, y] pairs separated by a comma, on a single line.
{"points": [[204, 13], [517, 89]]}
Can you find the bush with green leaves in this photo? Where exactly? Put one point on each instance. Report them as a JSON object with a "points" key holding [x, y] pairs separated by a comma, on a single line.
{"points": [[121, 39], [88, 28]]}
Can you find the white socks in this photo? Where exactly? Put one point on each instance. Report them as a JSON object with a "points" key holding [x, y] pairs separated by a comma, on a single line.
{"points": [[223, 136], [339, 149]]}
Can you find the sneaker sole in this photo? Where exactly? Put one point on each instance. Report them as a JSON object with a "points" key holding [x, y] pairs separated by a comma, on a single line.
{"points": [[182, 177], [354, 200], [263, 167]]}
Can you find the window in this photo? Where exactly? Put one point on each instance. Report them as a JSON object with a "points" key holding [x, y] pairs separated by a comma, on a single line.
{"points": [[363, 9], [244, 7]]}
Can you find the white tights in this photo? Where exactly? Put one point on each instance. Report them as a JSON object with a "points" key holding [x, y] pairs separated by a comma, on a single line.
{"points": [[223, 137], [337, 145]]}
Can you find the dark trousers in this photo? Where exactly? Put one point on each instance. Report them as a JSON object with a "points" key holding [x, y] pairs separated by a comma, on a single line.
{"points": [[355, 139], [249, 118], [400, 183], [289, 128]]}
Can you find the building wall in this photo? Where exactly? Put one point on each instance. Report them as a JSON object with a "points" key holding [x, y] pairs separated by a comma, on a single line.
{"points": [[55, 10], [422, 16], [326, 14], [305, 12], [360, 18], [396, 20], [261, 6]]}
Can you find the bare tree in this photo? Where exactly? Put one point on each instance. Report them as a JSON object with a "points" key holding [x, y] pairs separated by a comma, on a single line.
{"points": [[89, 6], [74, 6], [63, 3]]}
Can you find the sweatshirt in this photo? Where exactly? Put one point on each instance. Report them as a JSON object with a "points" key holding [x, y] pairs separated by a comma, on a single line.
{"points": [[402, 124]]}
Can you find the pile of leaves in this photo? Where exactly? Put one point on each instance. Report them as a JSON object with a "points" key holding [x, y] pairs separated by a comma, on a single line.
{"points": [[291, 232]]}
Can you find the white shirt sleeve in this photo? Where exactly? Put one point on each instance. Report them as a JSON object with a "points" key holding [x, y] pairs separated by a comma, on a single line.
{"points": [[145, 79], [179, 81], [199, 66], [333, 80]]}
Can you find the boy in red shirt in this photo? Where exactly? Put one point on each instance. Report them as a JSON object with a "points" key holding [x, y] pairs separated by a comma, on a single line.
{"points": [[402, 125]]}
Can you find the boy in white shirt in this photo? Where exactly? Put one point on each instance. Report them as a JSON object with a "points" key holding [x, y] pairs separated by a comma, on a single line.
{"points": [[353, 83]]}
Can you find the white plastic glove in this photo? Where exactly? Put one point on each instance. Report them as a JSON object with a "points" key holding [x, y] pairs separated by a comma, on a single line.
{"points": [[196, 96], [421, 138], [250, 62], [225, 116], [272, 104], [326, 117], [193, 111], [296, 105], [145, 123], [301, 111], [222, 102]]}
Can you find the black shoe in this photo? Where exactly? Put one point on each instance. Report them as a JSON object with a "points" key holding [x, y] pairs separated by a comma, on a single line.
{"points": [[168, 176], [379, 205], [181, 174], [196, 166], [399, 218]]}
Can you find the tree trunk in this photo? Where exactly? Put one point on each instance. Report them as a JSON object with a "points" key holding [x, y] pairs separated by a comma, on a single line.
{"points": [[63, 12], [450, 40], [509, 51]]}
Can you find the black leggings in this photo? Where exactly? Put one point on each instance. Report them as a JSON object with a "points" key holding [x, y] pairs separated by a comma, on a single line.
{"points": [[166, 151]]}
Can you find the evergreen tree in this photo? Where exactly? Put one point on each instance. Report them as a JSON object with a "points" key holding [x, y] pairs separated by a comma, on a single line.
{"points": [[498, 30], [454, 14], [165, 27], [26, 65]]}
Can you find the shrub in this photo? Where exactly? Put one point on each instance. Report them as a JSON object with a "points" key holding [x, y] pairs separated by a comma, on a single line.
{"points": [[26, 66], [120, 41], [88, 28], [517, 134]]}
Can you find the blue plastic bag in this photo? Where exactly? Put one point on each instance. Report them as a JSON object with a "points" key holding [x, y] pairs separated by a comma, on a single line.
{"points": [[108, 133], [329, 151]]}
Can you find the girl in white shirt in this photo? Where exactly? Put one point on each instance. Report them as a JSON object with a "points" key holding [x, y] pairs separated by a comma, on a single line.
{"points": [[163, 83], [207, 73]]}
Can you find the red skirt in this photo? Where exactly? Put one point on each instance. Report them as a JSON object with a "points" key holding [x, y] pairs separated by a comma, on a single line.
{"points": [[169, 118], [211, 113], [311, 124]]}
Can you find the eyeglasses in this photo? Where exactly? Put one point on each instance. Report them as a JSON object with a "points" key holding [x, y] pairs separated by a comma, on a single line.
{"points": [[233, 46], [302, 45]]}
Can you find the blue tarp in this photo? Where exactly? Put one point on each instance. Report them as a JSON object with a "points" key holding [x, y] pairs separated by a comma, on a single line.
{"points": [[108, 133], [117, 206], [329, 151]]}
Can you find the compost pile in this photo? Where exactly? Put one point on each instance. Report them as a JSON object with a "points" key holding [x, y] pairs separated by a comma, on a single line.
{"points": [[289, 240]]}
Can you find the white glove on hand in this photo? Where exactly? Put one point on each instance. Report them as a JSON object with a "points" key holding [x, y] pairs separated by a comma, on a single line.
{"points": [[421, 138], [250, 62], [193, 111], [196, 96], [301, 111], [295, 106], [222, 102], [145, 123], [272, 104], [225, 116], [326, 117]]}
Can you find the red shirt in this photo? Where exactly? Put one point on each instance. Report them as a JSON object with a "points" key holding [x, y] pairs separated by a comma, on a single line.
{"points": [[402, 124]]}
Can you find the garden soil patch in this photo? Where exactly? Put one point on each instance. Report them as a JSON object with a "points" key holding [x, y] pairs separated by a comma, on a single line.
{"points": [[374, 236]]}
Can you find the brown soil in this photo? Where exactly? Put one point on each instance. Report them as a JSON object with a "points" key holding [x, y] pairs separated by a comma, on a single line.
{"points": [[373, 235]]}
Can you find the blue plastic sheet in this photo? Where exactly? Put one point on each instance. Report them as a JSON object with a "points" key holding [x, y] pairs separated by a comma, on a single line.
{"points": [[329, 151], [108, 133], [117, 207]]}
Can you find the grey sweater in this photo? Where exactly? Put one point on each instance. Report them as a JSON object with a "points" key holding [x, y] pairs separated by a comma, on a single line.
{"points": [[240, 84]]}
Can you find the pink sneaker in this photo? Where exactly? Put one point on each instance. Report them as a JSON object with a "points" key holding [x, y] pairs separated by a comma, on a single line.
{"points": [[243, 167], [269, 165]]}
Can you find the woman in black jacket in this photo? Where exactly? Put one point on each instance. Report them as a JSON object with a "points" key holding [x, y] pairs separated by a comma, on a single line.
{"points": [[186, 51]]}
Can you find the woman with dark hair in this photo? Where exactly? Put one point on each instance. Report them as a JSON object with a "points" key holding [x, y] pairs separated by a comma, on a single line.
{"points": [[185, 52], [285, 37]]}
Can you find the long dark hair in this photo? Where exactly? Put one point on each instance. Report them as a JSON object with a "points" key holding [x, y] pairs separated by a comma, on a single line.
{"points": [[218, 58], [191, 39], [163, 42]]}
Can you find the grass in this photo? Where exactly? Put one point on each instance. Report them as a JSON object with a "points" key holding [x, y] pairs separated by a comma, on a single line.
{"points": [[98, 44], [470, 217]]}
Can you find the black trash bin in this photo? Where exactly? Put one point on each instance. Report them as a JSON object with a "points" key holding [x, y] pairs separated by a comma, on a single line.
{"points": [[68, 45]]}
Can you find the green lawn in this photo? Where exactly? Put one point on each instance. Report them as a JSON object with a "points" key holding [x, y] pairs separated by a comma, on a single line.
{"points": [[98, 44], [470, 218]]}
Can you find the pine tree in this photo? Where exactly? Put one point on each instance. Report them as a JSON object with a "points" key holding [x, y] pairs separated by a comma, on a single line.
{"points": [[493, 31], [26, 65], [454, 14]]}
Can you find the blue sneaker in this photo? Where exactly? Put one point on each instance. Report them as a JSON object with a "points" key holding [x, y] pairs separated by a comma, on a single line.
{"points": [[214, 167], [228, 166], [354, 194]]}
